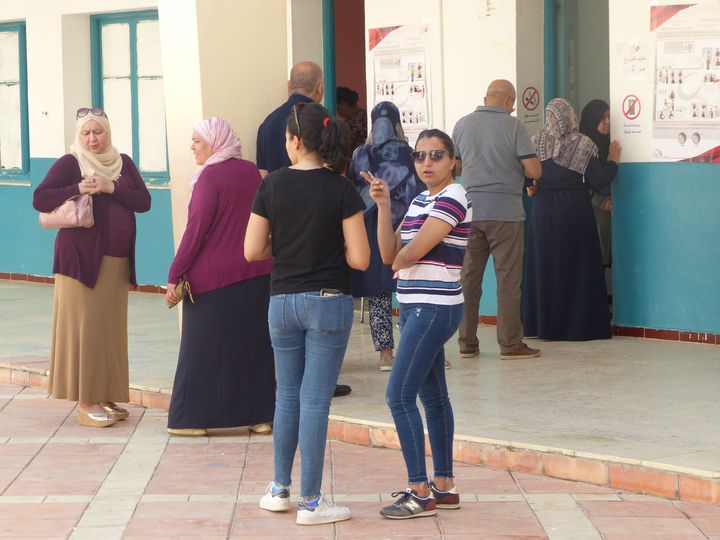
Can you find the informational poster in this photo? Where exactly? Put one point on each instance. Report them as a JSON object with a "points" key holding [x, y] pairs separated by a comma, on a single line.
{"points": [[686, 111], [399, 56]]}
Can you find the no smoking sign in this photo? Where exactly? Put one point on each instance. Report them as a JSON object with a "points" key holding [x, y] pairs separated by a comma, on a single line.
{"points": [[631, 107], [530, 98]]}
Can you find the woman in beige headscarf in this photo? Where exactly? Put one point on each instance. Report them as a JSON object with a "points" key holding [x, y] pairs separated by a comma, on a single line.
{"points": [[93, 267]]}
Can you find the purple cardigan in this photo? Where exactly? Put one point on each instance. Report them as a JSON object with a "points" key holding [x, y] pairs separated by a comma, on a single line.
{"points": [[210, 255], [79, 251]]}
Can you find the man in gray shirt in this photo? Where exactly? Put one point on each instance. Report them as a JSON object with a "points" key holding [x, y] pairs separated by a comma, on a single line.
{"points": [[495, 155]]}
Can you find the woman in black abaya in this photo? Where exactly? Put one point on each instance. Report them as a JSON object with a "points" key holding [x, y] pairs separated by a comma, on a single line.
{"points": [[564, 295]]}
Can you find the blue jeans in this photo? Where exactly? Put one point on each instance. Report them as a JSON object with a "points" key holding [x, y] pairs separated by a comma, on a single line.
{"points": [[419, 369], [309, 334]]}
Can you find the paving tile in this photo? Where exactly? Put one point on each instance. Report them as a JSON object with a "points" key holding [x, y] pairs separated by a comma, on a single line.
{"points": [[482, 536], [497, 518], [539, 484], [81, 449], [608, 525], [652, 537], [694, 509], [309, 536], [41, 511], [178, 526], [52, 487], [631, 508], [178, 537], [15, 449], [708, 525], [367, 522], [41, 528], [195, 510]]}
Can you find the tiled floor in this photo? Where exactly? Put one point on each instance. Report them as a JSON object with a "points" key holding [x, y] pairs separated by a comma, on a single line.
{"points": [[645, 400], [59, 481]]}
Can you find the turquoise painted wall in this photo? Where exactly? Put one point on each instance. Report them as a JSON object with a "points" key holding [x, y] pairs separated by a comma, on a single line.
{"points": [[666, 248], [28, 248]]}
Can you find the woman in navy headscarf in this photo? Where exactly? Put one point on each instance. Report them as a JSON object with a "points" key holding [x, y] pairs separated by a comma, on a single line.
{"points": [[595, 123], [387, 155]]}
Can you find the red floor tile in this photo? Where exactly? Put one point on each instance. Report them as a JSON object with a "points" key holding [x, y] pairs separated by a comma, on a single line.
{"points": [[630, 508], [645, 525]]}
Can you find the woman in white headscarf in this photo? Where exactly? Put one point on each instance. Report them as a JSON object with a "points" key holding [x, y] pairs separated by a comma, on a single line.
{"points": [[93, 267], [225, 375], [564, 294]]}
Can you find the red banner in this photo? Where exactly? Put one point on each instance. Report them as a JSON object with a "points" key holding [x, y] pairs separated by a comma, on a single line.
{"points": [[661, 14], [378, 34]]}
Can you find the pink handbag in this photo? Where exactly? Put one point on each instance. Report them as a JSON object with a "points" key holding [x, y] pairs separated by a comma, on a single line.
{"points": [[77, 211]]}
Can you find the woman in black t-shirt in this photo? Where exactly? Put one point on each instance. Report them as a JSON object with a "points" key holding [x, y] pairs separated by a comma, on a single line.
{"points": [[310, 219]]}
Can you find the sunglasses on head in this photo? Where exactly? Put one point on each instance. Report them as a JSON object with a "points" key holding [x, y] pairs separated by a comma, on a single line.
{"points": [[435, 155], [297, 108], [84, 111]]}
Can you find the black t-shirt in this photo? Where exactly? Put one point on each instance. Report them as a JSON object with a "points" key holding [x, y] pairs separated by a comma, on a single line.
{"points": [[306, 210]]}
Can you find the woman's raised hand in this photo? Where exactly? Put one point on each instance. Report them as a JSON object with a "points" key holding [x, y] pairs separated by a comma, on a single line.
{"points": [[379, 191], [615, 152]]}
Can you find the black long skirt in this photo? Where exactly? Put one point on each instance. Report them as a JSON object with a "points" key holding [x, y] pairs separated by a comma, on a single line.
{"points": [[564, 293], [225, 375]]}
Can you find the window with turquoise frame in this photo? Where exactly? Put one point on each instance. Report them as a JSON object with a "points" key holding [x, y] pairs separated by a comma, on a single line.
{"points": [[128, 85], [14, 140]]}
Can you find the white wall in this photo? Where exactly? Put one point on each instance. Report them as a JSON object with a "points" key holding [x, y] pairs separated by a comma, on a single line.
{"points": [[471, 44], [183, 98], [530, 64], [76, 82], [234, 66], [58, 76], [305, 31]]}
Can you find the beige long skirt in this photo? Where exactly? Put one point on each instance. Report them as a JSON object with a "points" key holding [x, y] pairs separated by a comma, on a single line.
{"points": [[89, 351]]}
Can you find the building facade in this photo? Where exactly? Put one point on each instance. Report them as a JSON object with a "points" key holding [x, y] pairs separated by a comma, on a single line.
{"points": [[159, 66]]}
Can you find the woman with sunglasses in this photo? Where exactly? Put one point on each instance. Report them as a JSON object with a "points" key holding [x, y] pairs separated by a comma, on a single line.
{"points": [[427, 251], [93, 267], [386, 156], [224, 376], [309, 218]]}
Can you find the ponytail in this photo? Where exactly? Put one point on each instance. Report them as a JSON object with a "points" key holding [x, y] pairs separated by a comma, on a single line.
{"points": [[335, 144], [321, 133]]}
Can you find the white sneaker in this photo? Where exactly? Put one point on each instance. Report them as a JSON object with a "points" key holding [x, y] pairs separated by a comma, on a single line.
{"points": [[276, 498], [324, 512]]}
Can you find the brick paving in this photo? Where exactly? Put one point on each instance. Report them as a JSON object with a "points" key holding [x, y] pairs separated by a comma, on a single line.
{"points": [[59, 480]]}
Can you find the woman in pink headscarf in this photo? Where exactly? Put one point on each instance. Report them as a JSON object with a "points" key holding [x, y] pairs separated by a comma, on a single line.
{"points": [[225, 376]]}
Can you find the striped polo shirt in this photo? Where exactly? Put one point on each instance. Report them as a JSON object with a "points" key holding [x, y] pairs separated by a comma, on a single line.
{"points": [[435, 279]]}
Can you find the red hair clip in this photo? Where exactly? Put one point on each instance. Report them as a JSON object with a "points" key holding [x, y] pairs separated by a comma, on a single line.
{"points": [[326, 121]]}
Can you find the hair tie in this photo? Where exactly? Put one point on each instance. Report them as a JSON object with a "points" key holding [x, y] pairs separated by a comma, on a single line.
{"points": [[326, 121]]}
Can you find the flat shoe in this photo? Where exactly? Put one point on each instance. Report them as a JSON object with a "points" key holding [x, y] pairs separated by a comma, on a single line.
{"points": [[261, 429], [188, 432], [94, 419], [117, 412]]}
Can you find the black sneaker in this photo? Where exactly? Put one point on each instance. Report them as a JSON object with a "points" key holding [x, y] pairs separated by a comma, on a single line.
{"points": [[341, 390], [410, 505]]}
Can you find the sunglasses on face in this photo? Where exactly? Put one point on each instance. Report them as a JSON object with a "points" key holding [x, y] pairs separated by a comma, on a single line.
{"points": [[435, 155], [84, 111]]}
